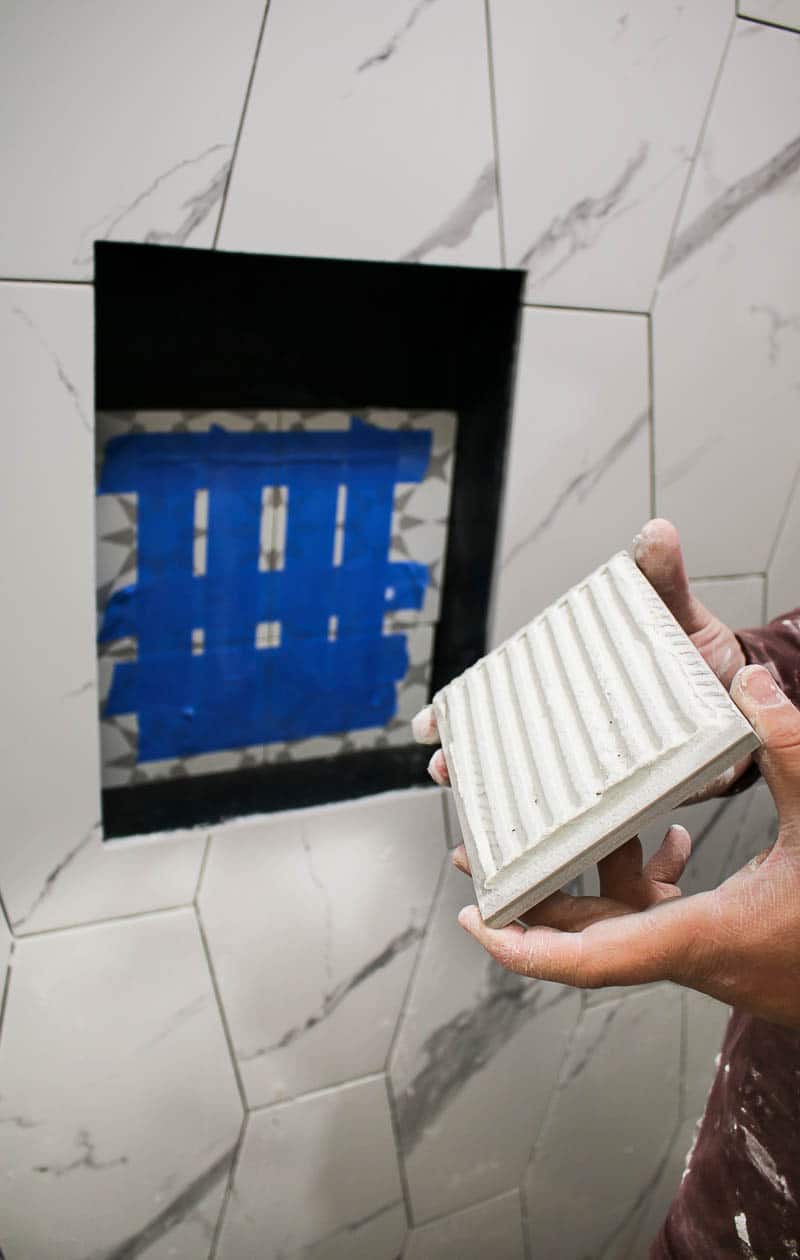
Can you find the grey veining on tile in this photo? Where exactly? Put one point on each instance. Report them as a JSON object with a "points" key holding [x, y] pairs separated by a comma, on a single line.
{"points": [[608, 1130], [578, 464], [120, 128], [725, 331], [592, 166], [356, 883], [487, 1230], [394, 128], [126, 1014], [317, 1178], [653, 1211], [469, 1028]]}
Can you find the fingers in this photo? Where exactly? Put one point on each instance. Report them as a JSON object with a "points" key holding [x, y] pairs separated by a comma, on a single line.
{"points": [[423, 726], [437, 769], [669, 862], [460, 860], [621, 871], [635, 948], [657, 551], [777, 723], [573, 914]]}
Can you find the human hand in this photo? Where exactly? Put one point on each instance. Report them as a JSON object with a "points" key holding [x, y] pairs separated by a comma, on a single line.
{"points": [[739, 943]]}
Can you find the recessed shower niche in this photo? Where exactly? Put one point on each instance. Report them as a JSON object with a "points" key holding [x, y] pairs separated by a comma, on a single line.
{"points": [[298, 473]]}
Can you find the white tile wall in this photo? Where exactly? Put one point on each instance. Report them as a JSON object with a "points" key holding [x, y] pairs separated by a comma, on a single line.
{"points": [[578, 471], [592, 164], [781, 12], [119, 125], [119, 1110], [318, 1175], [783, 580], [314, 922], [488, 1229], [389, 154], [54, 868], [727, 318]]}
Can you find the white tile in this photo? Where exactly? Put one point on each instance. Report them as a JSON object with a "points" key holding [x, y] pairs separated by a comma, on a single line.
{"points": [[341, 896], [119, 125], [54, 869], [119, 1111], [739, 602], [488, 1229], [599, 110], [727, 318], [578, 471], [6, 944], [389, 153], [656, 1205], [474, 1065], [614, 1111], [783, 579], [318, 1177], [781, 12]]}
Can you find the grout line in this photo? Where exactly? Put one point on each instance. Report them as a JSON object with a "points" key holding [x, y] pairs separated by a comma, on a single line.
{"points": [[6, 987], [701, 135], [240, 128], [257, 1108], [4, 908], [652, 415], [775, 26], [201, 872], [683, 1057], [228, 1189], [587, 310], [501, 230], [107, 920], [787, 507], [725, 577], [80, 284], [398, 1151], [764, 599]]}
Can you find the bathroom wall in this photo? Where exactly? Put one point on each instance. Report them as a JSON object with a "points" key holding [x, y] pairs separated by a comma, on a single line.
{"points": [[273, 1040]]}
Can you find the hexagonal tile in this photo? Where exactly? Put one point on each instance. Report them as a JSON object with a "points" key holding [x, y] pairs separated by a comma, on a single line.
{"points": [[783, 588], [313, 922], [492, 1229], [612, 1119], [318, 1177], [473, 1067], [119, 1113]]}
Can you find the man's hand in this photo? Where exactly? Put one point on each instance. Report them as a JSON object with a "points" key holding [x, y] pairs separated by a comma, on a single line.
{"points": [[739, 943]]}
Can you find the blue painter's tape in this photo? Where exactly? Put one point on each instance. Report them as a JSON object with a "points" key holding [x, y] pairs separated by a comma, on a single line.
{"points": [[235, 694]]}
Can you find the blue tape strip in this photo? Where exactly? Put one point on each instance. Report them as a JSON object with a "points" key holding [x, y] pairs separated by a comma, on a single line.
{"points": [[234, 694]]}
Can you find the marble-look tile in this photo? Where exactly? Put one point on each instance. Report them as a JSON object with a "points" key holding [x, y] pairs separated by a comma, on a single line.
{"points": [[124, 1121], [318, 1178], [473, 1067], [345, 891], [592, 164], [119, 125], [656, 1205], [780, 12], [727, 318], [613, 1113], [739, 602], [492, 1229], [389, 154], [6, 946], [578, 472], [783, 580], [54, 868], [706, 1021]]}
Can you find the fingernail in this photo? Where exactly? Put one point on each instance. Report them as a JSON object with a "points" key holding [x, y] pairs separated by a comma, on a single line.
{"points": [[437, 768], [465, 917], [757, 682], [423, 726]]}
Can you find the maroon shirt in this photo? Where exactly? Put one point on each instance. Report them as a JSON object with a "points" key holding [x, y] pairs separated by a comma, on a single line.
{"points": [[740, 1196]]}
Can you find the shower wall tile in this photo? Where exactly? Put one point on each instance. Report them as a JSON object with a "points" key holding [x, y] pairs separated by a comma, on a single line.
{"points": [[739, 602], [119, 125], [578, 471], [706, 1021], [389, 154], [341, 897], [318, 1176], [610, 1124], [656, 1206], [488, 1229], [6, 943], [592, 164], [726, 321], [54, 868], [783, 582], [119, 1113], [475, 1061], [781, 12]]}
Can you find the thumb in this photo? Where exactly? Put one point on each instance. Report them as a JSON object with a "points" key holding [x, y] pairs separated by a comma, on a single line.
{"points": [[777, 723], [657, 551]]}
